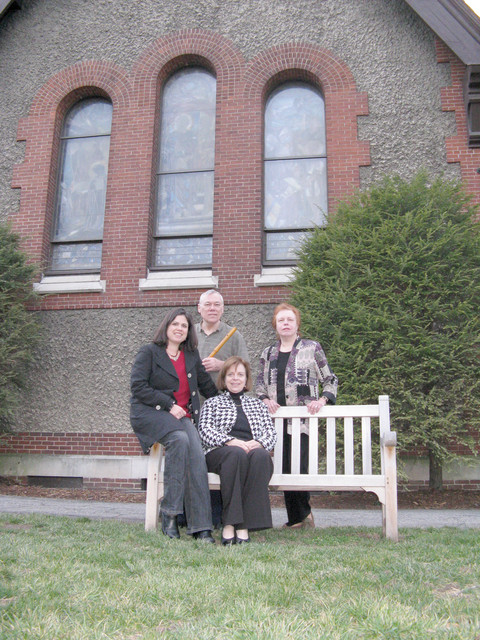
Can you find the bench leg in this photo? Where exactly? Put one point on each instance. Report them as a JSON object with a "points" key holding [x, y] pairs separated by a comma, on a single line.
{"points": [[153, 491], [390, 510]]}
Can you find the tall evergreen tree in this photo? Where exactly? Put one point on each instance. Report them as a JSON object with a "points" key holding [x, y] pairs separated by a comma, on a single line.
{"points": [[19, 330], [391, 287]]}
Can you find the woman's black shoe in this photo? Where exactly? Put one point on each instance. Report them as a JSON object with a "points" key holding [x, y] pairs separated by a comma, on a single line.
{"points": [[170, 526], [205, 536], [228, 541], [241, 540]]}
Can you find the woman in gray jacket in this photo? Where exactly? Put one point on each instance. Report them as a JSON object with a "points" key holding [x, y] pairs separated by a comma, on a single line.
{"points": [[237, 433]]}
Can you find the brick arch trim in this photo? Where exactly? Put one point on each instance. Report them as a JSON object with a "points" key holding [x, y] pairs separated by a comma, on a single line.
{"points": [[105, 76], [219, 53], [332, 73]]}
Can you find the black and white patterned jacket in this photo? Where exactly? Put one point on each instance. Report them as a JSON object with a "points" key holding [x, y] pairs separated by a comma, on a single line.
{"points": [[219, 414]]}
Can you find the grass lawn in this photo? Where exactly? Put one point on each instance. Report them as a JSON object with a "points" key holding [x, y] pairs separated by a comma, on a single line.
{"points": [[78, 579]]}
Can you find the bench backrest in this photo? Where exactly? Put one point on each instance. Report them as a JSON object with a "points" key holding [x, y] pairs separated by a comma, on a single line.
{"points": [[323, 429]]}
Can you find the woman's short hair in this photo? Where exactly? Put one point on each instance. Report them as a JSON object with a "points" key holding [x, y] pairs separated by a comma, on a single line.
{"points": [[284, 306], [234, 361], [190, 343]]}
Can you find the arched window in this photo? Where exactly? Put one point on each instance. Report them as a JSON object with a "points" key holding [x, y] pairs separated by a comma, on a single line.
{"points": [[295, 188], [80, 203], [184, 215]]}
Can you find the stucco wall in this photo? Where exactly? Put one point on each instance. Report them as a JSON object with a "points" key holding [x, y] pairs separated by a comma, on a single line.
{"points": [[389, 50], [80, 381]]}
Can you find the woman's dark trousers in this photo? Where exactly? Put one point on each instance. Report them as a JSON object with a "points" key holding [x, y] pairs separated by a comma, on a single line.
{"points": [[297, 503], [186, 478], [244, 479]]}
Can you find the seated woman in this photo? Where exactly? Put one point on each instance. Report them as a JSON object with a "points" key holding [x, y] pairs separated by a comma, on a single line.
{"points": [[166, 377], [237, 434]]}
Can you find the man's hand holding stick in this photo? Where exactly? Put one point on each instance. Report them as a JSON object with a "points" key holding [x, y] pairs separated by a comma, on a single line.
{"points": [[214, 364]]}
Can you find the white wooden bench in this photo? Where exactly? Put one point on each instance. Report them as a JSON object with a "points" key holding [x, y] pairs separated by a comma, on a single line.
{"points": [[335, 475]]}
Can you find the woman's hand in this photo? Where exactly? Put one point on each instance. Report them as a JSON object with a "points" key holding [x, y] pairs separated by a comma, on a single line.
{"points": [[253, 444], [315, 405], [271, 404], [178, 412], [247, 446], [235, 442]]}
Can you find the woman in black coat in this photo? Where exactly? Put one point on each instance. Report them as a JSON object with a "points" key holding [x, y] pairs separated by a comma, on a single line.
{"points": [[166, 378]]}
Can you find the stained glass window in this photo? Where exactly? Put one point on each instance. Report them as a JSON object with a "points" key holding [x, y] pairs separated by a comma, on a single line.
{"points": [[184, 216], [80, 204], [295, 187]]}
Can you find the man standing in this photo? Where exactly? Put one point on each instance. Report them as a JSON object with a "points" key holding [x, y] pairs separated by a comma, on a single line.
{"points": [[210, 332]]}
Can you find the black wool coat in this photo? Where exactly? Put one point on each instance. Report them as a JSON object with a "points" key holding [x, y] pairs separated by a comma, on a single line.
{"points": [[153, 382]]}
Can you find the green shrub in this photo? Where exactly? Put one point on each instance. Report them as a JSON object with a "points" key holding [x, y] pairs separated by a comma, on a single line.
{"points": [[19, 330], [391, 288]]}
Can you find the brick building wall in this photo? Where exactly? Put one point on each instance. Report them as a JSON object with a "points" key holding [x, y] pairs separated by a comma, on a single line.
{"points": [[241, 91]]}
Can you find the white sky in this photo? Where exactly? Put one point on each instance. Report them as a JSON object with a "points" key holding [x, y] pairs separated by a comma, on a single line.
{"points": [[475, 5]]}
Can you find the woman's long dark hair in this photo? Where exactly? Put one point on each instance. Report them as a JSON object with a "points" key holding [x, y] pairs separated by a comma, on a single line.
{"points": [[160, 337]]}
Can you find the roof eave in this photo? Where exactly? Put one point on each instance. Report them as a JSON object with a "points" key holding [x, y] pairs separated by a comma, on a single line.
{"points": [[5, 5], [455, 23]]}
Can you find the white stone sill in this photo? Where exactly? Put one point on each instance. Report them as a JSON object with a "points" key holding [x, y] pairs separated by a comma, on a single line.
{"points": [[271, 276], [157, 280], [178, 280], [70, 284]]}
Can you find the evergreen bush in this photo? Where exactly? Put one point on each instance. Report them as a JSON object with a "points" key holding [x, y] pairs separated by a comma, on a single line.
{"points": [[391, 288], [19, 329]]}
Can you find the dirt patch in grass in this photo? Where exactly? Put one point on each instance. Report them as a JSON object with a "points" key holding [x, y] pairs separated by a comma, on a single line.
{"points": [[15, 527], [425, 499]]}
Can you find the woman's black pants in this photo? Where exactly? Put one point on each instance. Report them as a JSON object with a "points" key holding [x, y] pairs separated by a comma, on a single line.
{"points": [[297, 503], [244, 479]]}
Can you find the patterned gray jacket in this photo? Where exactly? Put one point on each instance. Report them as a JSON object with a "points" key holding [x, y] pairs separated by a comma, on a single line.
{"points": [[307, 369], [218, 417]]}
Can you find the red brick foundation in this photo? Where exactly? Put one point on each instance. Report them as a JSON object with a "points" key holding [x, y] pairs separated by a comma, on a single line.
{"points": [[105, 444]]}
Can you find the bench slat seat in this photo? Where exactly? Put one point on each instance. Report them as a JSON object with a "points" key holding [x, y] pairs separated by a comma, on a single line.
{"points": [[323, 431]]}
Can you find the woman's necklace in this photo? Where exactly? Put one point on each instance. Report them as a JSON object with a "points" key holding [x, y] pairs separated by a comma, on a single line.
{"points": [[175, 357]]}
